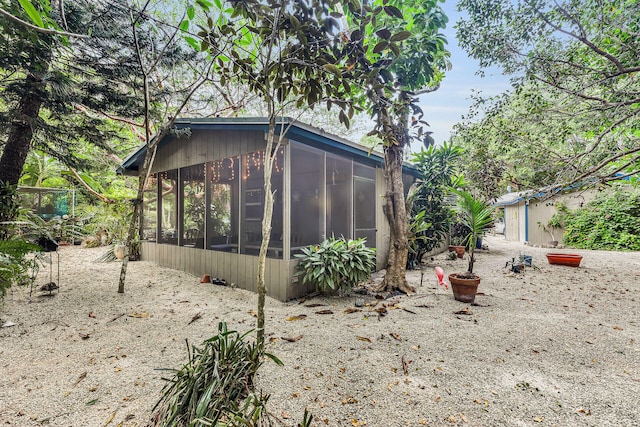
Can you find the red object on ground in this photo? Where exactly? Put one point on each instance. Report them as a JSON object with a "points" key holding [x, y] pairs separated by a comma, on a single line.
{"points": [[572, 260], [440, 274]]}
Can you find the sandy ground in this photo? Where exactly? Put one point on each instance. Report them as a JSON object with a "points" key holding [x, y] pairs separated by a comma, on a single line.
{"points": [[553, 346]]}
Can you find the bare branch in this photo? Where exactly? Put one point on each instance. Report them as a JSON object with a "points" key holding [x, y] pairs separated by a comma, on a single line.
{"points": [[89, 189]]}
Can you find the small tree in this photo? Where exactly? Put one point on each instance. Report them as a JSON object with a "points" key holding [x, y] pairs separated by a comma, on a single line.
{"points": [[437, 170], [478, 216], [157, 74], [280, 50], [394, 53]]}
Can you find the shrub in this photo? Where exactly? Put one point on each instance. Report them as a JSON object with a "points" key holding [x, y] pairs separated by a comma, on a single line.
{"points": [[438, 174], [610, 222], [16, 266], [336, 264], [215, 386]]}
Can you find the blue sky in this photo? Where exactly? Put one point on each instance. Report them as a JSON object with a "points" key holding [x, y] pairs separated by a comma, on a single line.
{"points": [[445, 107]]}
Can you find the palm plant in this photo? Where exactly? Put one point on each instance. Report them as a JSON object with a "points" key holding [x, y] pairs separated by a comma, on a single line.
{"points": [[478, 216]]}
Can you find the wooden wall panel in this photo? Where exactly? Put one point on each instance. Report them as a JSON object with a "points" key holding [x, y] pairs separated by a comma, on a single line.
{"points": [[205, 146], [234, 268]]}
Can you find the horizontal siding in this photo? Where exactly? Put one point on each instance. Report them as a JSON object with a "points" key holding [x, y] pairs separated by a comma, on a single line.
{"points": [[203, 146], [239, 269]]}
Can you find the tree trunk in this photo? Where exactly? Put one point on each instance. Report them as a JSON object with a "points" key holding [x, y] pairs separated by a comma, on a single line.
{"points": [[269, 155], [21, 130], [132, 242], [396, 213]]}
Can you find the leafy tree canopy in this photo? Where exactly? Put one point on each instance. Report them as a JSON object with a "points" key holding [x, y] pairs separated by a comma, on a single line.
{"points": [[575, 110]]}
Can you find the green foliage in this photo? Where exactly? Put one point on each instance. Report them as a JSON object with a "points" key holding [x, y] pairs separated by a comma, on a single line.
{"points": [[32, 12], [9, 209], [215, 387], [418, 229], [395, 49], [477, 215], [60, 89], [610, 222], [459, 232], [108, 223], [336, 264], [567, 58], [437, 167], [56, 229], [17, 267]]}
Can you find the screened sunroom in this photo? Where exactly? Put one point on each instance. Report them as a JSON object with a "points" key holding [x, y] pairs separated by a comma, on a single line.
{"points": [[203, 204]]}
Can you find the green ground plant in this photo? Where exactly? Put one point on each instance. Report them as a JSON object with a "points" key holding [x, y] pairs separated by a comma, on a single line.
{"points": [[18, 265], [215, 387], [610, 222], [336, 264]]}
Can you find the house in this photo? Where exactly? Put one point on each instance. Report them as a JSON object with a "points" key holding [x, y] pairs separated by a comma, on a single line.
{"points": [[526, 213], [203, 205]]}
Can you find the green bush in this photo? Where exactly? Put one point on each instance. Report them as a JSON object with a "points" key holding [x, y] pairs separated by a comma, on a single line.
{"points": [[430, 214], [610, 222], [336, 264], [17, 267], [215, 387]]}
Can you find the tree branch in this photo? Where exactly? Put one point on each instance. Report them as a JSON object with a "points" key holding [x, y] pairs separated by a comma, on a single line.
{"points": [[89, 189], [39, 29]]}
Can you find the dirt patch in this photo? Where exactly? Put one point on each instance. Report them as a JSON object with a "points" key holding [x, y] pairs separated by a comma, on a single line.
{"points": [[554, 345]]}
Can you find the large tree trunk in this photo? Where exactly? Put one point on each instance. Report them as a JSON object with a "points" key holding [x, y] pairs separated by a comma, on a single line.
{"points": [[21, 130], [396, 213]]}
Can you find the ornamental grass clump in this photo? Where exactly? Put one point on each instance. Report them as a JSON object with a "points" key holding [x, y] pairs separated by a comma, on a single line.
{"points": [[336, 264], [215, 387]]}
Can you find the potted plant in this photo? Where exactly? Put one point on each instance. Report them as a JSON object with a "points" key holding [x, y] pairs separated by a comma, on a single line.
{"points": [[477, 215], [553, 224], [457, 245], [556, 222]]}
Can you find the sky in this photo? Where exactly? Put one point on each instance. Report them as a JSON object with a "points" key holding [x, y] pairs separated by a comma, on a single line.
{"points": [[446, 106]]}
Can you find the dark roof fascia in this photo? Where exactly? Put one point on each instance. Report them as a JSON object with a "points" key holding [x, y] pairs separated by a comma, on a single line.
{"points": [[297, 131]]}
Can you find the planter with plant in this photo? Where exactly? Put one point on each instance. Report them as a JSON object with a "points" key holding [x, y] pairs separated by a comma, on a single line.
{"points": [[477, 215], [549, 227], [458, 238], [336, 264], [457, 245], [556, 222]]}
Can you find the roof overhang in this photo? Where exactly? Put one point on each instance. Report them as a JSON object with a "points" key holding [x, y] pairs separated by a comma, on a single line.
{"points": [[295, 130]]}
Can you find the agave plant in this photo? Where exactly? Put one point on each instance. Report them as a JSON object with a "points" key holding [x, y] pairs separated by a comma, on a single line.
{"points": [[478, 216]]}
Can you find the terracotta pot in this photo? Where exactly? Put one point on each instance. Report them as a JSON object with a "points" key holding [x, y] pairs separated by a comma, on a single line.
{"points": [[459, 250], [205, 279], [572, 260], [464, 290]]}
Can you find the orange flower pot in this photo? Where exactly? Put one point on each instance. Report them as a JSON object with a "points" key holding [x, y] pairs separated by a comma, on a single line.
{"points": [[571, 260]]}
